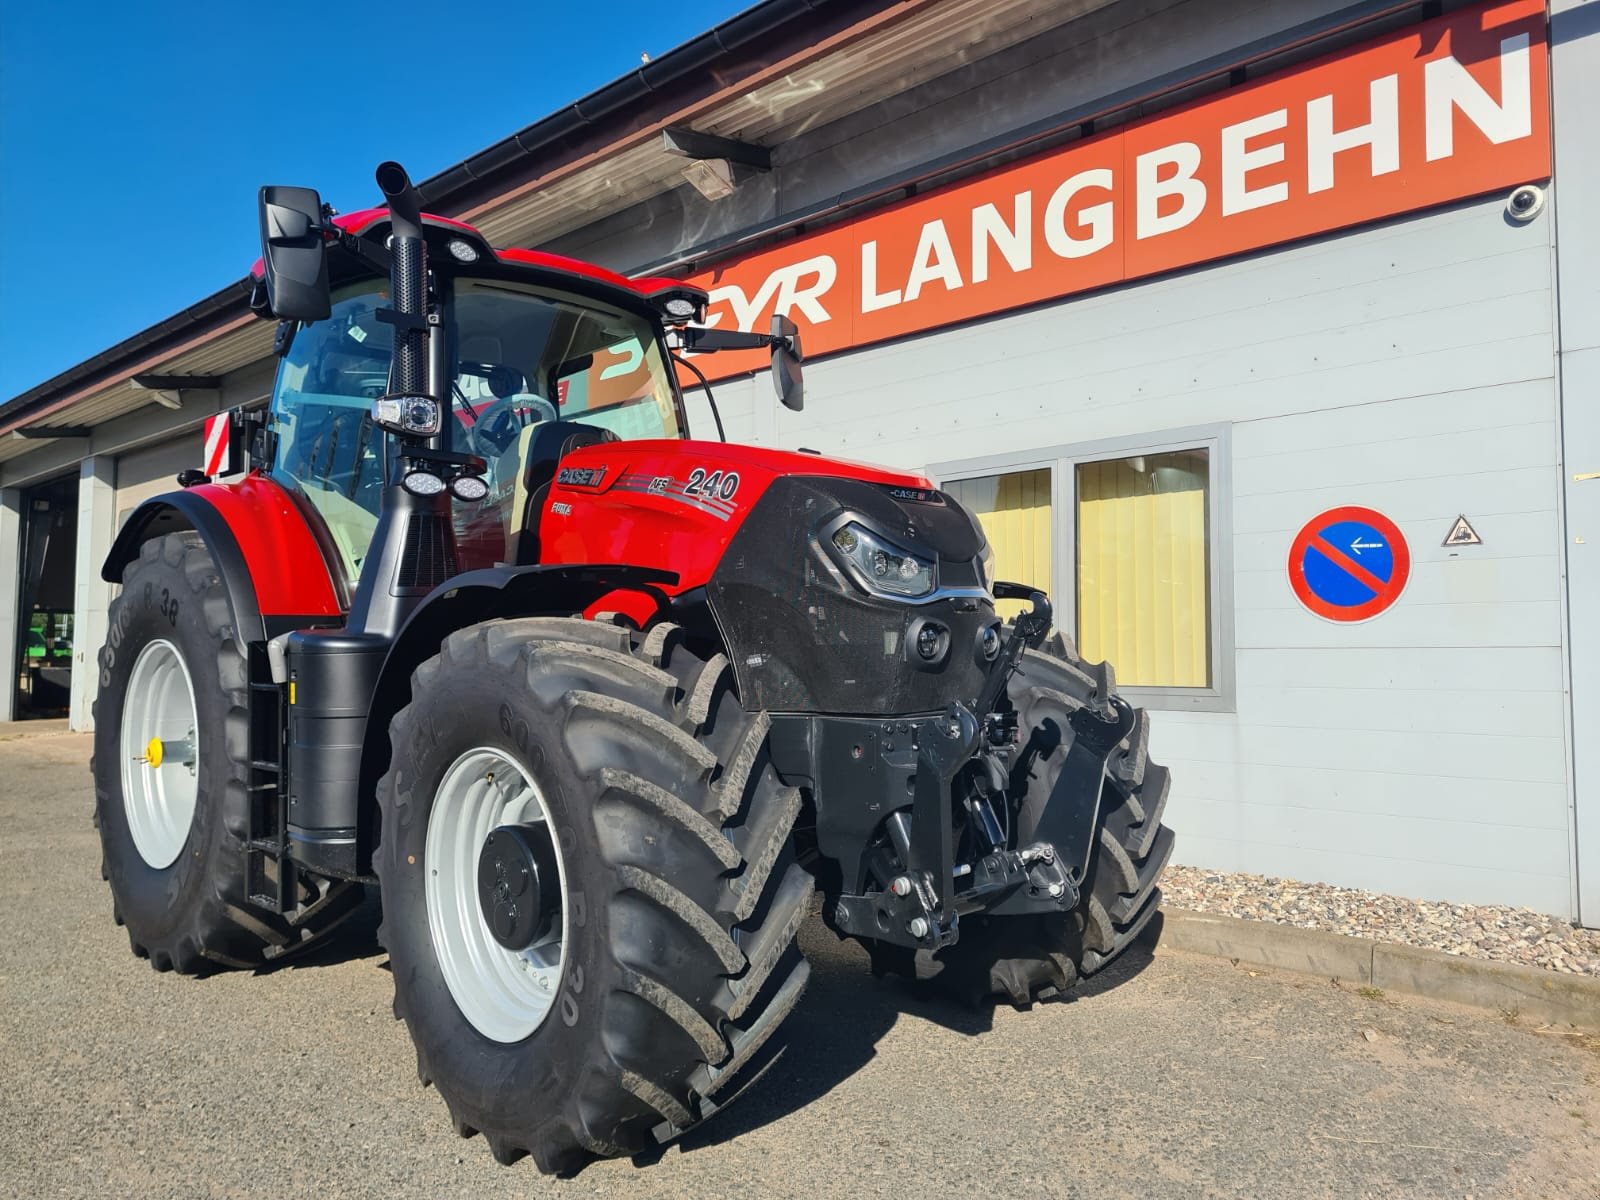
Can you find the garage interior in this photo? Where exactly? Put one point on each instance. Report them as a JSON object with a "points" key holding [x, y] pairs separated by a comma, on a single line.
{"points": [[43, 685]]}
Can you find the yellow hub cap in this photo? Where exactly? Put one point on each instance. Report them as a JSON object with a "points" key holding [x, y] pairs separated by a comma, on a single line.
{"points": [[152, 752]]}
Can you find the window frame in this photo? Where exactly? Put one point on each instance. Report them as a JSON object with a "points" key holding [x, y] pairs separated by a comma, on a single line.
{"points": [[1062, 461]]}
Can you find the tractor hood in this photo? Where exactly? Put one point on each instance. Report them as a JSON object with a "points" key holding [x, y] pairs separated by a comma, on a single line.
{"points": [[678, 505], [754, 464]]}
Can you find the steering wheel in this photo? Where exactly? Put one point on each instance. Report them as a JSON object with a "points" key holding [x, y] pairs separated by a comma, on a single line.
{"points": [[498, 424]]}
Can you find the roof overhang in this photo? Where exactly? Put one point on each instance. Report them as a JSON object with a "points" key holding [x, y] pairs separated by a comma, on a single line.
{"points": [[776, 71]]}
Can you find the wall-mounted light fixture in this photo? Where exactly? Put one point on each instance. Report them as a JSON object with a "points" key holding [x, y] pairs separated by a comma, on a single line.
{"points": [[167, 390], [713, 174]]}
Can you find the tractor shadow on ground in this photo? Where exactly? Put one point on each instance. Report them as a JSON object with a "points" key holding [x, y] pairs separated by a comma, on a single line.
{"points": [[845, 1012], [353, 939]]}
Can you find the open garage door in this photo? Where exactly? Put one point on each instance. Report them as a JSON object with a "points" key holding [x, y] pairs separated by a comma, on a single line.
{"points": [[49, 547]]}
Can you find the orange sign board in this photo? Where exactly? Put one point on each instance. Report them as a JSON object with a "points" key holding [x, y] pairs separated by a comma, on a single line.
{"points": [[1446, 109]]}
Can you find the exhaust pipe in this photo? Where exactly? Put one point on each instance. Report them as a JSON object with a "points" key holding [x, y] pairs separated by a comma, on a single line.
{"points": [[414, 538], [405, 206], [408, 282]]}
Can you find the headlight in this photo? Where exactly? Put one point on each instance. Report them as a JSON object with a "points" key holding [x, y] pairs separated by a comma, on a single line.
{"points": [[418, 415], [468, 487], [882, 567], [422, 483]]}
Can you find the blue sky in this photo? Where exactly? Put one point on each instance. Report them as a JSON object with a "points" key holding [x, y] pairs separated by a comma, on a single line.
{"points": [[133, 137]]}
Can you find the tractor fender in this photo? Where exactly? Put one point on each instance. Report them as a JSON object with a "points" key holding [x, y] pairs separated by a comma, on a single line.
{"points": [[504, 591], [273, 570], [175, 513]]}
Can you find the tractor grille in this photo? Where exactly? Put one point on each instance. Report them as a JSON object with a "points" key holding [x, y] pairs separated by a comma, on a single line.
{"points": [[803, 639]]}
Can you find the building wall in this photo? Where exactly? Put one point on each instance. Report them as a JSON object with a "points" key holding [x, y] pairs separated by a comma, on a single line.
{"points": [[149, 471], [10, 599]]}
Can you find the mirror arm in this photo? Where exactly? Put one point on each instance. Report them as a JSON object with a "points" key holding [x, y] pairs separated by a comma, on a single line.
{"points": [[375, 256], [709, 341]]}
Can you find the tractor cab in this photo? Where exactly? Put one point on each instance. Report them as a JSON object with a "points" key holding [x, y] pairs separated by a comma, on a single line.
{"points": [[531, 367], [487, 365]]}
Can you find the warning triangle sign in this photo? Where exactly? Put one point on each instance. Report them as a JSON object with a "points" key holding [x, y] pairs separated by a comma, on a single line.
{"points": [[1462, 534]]}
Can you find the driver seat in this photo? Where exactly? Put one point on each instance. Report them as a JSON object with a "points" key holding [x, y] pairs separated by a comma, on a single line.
{"points": [[541, 448]]}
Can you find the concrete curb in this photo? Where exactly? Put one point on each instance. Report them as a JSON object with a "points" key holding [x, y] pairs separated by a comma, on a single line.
{"points": [[1529, 992]]}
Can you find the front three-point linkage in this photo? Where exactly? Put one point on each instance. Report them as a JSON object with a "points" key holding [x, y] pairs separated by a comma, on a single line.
{"points": [[921, 905]]}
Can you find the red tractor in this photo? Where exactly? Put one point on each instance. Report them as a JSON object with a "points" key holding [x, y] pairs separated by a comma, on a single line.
{"points": [[598, 708]]}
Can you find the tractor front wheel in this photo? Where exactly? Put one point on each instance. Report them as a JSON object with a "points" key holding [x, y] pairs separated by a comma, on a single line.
{"points": [[590, 898]]}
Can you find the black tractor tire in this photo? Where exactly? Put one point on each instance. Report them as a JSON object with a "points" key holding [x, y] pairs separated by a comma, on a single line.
{"points": [[681, 886], [192, 915], [1023, 959]]}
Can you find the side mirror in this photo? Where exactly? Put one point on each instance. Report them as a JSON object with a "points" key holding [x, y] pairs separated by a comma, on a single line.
{"points": [[786, 359], [294, 254]]}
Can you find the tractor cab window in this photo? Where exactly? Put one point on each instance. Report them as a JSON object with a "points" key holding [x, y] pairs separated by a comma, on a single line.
{"points": [[525, 358], [521, 358], [328, 448]]}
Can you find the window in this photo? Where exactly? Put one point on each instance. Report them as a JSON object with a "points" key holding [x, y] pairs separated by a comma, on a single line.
{"points": [[521, 356], [328, 446], [1143, 583], [1130, 537], [591, 363], [1014, 509], [525, 357]]}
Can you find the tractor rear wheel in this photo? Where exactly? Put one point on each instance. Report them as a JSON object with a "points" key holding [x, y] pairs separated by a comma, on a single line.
{"points": [[590, 899], [170, 772], [1022, 959]]}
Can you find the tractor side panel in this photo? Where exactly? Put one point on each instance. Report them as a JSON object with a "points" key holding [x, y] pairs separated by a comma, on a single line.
{"points": [[672, 505]]}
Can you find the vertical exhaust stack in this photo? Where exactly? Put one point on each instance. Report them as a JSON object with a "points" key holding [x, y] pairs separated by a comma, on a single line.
{"points": [[413, 547], [408, 282]]}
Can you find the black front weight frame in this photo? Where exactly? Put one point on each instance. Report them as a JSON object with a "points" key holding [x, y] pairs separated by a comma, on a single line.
{"points": [[921, 907]]}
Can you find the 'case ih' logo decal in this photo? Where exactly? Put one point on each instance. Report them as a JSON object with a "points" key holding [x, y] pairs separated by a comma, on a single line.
{"points": [[581, 476]]}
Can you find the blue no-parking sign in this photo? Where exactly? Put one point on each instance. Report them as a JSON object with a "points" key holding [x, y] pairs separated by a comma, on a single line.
{"points": [[1349, 564]]}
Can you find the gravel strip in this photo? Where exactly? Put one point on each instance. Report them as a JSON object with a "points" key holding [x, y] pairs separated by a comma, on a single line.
{"points": [[1514, 935]]}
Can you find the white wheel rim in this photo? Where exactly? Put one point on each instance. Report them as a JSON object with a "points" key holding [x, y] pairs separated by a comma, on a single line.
{"points": [[505, 994], [160, 754]]}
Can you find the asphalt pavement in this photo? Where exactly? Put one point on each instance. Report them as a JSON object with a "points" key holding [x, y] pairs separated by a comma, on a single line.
{"points": [[1169, 1075]]}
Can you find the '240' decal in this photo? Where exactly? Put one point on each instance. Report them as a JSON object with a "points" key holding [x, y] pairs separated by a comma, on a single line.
{"points": [[716, 485]]}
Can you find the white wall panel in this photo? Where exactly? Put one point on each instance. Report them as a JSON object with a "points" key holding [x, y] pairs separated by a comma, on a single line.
{"points": [[92, 595], [1575, 86]]}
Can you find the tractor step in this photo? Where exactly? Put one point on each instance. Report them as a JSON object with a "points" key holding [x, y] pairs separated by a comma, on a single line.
{"points": [[270, 874]]}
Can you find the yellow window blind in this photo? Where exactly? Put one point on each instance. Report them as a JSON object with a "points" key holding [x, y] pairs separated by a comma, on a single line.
{"points": [[1143, 603], [1014, 510]]}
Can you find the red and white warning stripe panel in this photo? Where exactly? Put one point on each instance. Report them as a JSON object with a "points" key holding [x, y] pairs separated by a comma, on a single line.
{"points": [[218, 454]]}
